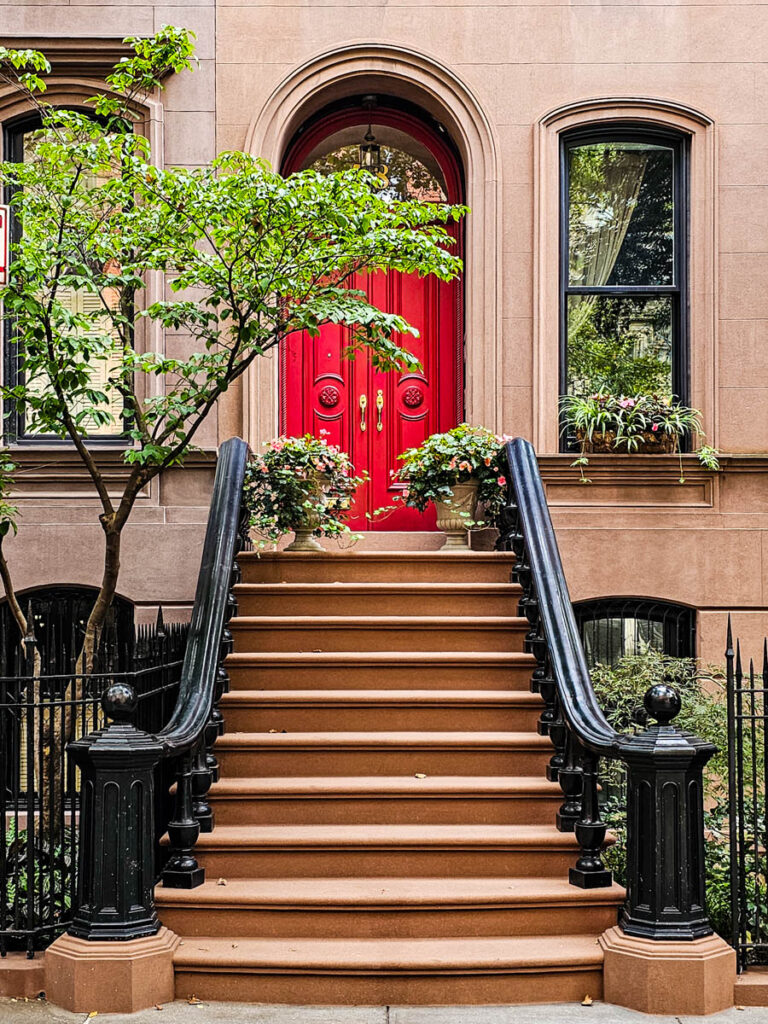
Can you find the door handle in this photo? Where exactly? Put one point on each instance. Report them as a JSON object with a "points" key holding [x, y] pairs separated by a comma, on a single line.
{"points": [[379, 407], [363, 407]]}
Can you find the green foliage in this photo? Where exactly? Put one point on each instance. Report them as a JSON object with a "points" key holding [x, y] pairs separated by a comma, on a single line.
{"points": [[432, 470], [250, 257], [620, 690], [9, 512], [38, 898], [607, 363], [630, 422], [300, 482]]}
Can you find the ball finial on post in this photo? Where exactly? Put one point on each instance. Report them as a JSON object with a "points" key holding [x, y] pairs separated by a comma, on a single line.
{"points": [[662, 702], [119, 702]]}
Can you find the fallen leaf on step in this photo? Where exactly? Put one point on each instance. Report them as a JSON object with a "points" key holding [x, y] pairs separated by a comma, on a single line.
{"points": [[586, 1001], [234, 945], [222, 881], [93, 1013], [419, 775], [193, 1000], [740, 1007], [158, 1006], [273, 730]]}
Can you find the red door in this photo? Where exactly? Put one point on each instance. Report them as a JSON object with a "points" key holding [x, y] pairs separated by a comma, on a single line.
{"points": [[373, 415]]}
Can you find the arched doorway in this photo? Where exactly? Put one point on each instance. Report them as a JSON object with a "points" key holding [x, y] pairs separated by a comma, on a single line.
{"points": [[372, 415]]}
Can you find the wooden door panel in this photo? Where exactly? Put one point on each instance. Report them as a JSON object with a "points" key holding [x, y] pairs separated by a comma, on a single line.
{"points": [[321, 390]]}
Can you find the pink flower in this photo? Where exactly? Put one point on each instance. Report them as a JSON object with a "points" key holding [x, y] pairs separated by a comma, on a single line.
{"points": [[487, 460], [627, 403], [325, 433], [405, 492], [655, 426], [465, 465], [452, 463], [502, 481]]}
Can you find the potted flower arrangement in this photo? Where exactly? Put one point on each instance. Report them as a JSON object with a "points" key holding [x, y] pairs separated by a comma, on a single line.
{"points": [[300, 484], [647, 424], [458, 471]]}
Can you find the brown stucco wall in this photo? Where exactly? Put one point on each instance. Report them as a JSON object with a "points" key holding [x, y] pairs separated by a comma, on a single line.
{"points": [[505, 78]]}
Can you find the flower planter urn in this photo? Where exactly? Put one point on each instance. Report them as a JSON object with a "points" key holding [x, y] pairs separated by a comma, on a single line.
{"points": [[453, 515], [304, 539]]}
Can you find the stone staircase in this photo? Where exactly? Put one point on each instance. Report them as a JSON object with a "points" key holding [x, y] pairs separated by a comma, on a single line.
{"points": [[384, 828]]}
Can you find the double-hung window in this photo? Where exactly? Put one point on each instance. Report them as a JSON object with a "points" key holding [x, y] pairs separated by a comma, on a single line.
{"points": [[623, 265], [18, 146]]}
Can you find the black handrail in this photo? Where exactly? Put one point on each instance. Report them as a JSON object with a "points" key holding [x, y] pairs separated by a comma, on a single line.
{"points": [[127, 773], [195, 700], [665, 819], [577, 696]]}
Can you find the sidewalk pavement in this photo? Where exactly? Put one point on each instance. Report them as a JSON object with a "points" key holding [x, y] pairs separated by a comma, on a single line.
{"points": [[182, 1012]]}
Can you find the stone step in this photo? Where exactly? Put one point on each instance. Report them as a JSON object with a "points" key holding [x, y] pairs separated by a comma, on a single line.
{"points": [[401, 598], [376, 566], [279, 851], [387, 908], [243, 754], [369, 710], [313, 633], [374, 800], [433, 971], [395, 669]]}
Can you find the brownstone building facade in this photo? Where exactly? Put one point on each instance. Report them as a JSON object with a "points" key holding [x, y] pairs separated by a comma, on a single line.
{"points": [[510, 87]]}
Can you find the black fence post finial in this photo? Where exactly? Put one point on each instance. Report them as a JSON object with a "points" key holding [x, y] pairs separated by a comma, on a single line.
{"points": [[116, 872], [665, 826]]}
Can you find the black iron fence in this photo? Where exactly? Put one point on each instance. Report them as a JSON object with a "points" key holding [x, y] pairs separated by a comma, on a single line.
{"points": [[40, 713], [747, 690]]}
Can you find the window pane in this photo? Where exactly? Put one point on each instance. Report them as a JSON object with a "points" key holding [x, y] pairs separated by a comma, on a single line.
{"points": [[404, 177], [620, 214], [84, 302], [619, 346]]}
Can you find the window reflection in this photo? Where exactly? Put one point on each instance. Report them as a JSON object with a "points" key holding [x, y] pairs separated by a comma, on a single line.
{"points": [[406, 177], [621, 214]]}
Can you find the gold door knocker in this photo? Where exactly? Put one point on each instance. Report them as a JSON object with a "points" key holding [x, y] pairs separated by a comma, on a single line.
{"points": [[363, 407], [379, 407]]}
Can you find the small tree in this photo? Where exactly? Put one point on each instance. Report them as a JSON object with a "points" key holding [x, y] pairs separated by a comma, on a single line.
{"points": [[250, 257]]}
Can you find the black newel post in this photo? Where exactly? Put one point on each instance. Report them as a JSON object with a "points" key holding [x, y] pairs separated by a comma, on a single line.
{"points": [[117, 828], [665, 826]]}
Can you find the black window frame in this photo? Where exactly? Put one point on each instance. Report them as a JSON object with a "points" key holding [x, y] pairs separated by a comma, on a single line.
{"points": [[679, 142], [678, 621], [14, 430]]}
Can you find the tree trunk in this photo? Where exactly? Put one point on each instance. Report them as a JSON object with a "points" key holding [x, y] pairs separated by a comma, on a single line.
{"points": [[94, 626], [99, 612]]}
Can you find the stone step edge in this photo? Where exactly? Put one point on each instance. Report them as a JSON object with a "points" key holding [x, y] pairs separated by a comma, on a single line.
{"points": [[385, 894], [375, 787], [367, 698], [458, 659], [393, 740], [343, 587], [497, 955], [405, 622], [347, 837], [437, 555]]}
